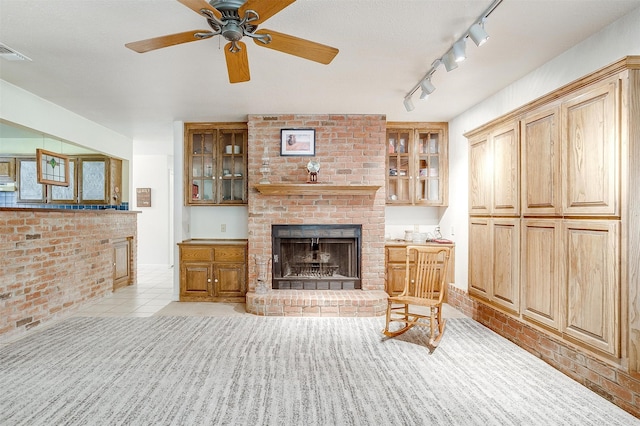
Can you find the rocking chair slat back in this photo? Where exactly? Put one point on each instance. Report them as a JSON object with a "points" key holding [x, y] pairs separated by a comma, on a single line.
{"points": [[425, 279]]}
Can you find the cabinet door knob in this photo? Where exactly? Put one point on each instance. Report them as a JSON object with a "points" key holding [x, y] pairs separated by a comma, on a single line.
{"points": [[216, 280], [209, 280]]}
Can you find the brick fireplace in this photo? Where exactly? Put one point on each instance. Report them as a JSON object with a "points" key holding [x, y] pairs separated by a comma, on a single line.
{"points": [[351, 151]]}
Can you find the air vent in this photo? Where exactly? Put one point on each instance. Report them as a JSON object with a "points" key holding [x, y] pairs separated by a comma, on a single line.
{"points": [[11, 55]]}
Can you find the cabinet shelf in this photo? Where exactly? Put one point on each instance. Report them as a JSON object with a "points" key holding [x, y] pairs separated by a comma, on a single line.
{"points": [[315, 189]]}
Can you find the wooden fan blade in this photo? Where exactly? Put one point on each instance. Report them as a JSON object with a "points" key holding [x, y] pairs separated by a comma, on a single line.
{"points": [[198, 5], [298, 47], [143, 46], [237, 63], [265, 8]]}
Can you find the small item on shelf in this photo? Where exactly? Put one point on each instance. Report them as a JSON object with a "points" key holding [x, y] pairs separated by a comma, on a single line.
{"points": [[402, 148], [442, 241], [313, 167]]}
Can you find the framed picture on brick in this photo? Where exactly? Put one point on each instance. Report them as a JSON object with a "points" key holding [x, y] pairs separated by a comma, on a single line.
{"points": [[298, 142]]}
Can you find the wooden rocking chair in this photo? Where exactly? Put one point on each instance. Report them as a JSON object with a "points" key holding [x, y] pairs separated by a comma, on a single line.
{"points": [[424, 287]]}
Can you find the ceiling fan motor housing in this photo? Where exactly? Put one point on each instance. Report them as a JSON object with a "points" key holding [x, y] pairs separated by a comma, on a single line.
{"points": [[227, 4], [232, 31]]}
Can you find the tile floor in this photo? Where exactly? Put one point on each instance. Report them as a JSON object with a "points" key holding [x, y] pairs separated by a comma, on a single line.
{"points": [[153, 292], [153, 295]]}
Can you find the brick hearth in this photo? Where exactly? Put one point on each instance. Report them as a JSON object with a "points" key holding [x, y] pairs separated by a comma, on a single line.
{"points": [[318, 303], [350, 150]]}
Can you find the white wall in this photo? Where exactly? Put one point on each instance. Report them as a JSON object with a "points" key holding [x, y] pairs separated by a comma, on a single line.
{"points": [[619, 39], [154, 225]]}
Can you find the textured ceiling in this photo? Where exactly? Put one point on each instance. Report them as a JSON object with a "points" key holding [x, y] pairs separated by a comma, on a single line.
{"points": [[80, 63]]}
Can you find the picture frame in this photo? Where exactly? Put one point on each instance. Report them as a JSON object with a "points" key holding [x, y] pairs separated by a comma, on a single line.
{"points": [[52, 168], [143, 197], [298, 142]]}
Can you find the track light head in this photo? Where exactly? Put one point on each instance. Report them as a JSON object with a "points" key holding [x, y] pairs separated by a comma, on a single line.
{"points": [[478, 34], [408, 104], [458, 50], [427, 87], [449, 61]]}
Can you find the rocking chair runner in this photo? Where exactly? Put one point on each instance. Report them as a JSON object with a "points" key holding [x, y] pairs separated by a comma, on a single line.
{"points": [[424, 286]]}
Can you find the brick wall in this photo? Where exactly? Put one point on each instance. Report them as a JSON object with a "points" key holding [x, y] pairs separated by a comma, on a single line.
{"points": [[607, 379], [53, 262], [351, 150]]}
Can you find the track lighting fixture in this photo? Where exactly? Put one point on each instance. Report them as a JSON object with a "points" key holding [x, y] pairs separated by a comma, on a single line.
{"points": [[458, 50], [478, 34], [449, 61], [408, 104], [427, 88], [455, 54]]}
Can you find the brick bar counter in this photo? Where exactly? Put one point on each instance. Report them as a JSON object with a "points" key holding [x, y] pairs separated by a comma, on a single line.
{"points": [[52, 262]]}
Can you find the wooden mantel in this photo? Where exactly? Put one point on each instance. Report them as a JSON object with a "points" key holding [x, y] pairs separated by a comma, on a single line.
{"points": [[315, 189]]}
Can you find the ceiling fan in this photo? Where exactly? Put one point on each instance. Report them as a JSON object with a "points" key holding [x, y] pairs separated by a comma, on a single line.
{"points": [[233, 20]]}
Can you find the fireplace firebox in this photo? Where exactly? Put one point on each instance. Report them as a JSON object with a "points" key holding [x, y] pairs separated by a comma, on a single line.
{"points": [[316, 257]]}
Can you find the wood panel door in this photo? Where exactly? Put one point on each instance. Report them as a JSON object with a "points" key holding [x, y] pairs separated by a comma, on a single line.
{"points": [[541, 274], [591, 300], [506, 263], [229, 280], [195, 281], [541, 160], [505, 145], [591, 152], [121, 263], [480, 175], [480, 257]]}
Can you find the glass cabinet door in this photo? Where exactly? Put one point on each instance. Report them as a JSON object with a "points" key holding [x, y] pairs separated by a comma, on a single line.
{"points": [[93, 180], [398, 167], [201, 161], [215, 163], [233, 179], [428, 180], [29, 190], [66, 194], [417, 164]]}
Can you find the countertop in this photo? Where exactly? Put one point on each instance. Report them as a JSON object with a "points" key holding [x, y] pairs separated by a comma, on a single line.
{"points": [[207, 241], [53, 210]]}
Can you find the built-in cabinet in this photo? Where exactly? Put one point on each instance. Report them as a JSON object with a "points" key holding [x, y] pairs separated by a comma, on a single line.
{"points": [[396, 269], [417, 164], [215, 164], [93, 179], [213, 270], [494, 260], [494, 167], [566, 261]]}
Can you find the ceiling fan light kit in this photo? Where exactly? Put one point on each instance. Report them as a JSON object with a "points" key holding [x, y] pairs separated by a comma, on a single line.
{"points": [[456, 53], [234, 20]]}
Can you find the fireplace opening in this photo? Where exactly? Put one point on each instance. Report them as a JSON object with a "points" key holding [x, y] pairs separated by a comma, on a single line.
{"points": [[316, 257]]}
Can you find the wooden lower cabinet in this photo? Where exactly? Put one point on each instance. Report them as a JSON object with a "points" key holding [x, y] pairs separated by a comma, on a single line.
{"points": [[570, 278], [395, 265], [494, 260], [591, 301], [122, 263], [542, 271], [213, 270]]}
